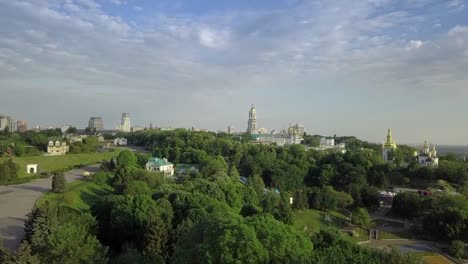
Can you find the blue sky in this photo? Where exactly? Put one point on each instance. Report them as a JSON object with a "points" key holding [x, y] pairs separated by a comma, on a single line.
{"points": [[338, 67]]}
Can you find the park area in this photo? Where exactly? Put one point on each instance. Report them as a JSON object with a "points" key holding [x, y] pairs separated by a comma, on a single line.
{"points": [[312, 221], [48, 164], [79, 195]]}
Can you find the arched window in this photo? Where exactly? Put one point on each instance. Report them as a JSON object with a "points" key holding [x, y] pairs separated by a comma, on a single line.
{"points": [[51, 144], [57, 143]]}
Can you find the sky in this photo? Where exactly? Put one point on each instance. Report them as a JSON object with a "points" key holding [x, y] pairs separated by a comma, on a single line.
{"points": [[344, 67]]}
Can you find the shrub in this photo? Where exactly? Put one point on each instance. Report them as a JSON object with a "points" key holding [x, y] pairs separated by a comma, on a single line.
{"points": [[457, 249], [101, 178]]}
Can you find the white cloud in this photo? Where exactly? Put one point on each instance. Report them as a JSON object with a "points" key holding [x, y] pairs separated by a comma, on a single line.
{"points": [[213, 39], [137, 8], [414, 44], [458, 30]]}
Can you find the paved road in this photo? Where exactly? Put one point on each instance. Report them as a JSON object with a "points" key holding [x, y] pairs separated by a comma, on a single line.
{"points": [[18, 200]]}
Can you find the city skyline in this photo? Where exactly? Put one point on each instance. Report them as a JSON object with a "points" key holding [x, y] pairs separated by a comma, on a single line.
{"points": [[352, 68]]}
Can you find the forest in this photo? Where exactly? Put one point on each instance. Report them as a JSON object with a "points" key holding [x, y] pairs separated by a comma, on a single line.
{"points": [[211, 216]]}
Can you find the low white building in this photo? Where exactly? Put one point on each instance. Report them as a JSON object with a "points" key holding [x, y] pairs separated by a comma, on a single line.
{"points": [[120, 141], [279, 140], [329, 143], [160, 165], [31, 168]]}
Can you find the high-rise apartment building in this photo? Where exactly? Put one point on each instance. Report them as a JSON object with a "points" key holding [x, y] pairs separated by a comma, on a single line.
{"points": [[95, 123], [6, 121], [125, 124]]}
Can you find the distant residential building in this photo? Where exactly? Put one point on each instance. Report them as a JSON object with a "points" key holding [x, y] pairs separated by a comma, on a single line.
{"points": [[427, 156], [6, 121], [125, 125], [252, 123], [230, 130], [184, 169], [57, 146], [389, 147], [160, 165], [22, 126], [96, 124], [120, 142]]}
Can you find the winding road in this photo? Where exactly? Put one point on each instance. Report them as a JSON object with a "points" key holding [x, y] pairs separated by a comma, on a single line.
{"points": [[16, 201]]}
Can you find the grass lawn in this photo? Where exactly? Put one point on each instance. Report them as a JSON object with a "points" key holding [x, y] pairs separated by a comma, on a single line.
{"points": [[311, 220], [63, 162], [394, 235], [437, 259], [79, 195]]}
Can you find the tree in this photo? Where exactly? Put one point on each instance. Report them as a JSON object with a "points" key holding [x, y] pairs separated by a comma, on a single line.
{"points": [[361, 217], [127, 159], [5, 254], [58, 183], [285, 244], [457, 248], [407, 205], [8, 170], [223, 240], [257, 183], [370, 197], [137, 188], [249, 210], [157, 237], [300, 200], [214, 167], [72, 130], [72, 244], [24, 255], [132, 256], [101, 178]]}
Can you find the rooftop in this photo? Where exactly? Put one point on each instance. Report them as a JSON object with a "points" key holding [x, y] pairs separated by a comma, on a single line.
{"points": [[158, 161]]}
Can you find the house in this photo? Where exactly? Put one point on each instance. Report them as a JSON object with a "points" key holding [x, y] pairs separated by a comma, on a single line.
{"points": [[57, 146], [184, 169], [160, 165], [120, 141]]}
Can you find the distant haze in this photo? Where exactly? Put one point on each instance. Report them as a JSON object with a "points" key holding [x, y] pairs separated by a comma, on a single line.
{"points": [[337, 67]]}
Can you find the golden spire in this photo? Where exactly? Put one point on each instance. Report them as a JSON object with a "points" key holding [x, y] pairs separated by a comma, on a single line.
{"points": [[390, 143], [389, 136]]}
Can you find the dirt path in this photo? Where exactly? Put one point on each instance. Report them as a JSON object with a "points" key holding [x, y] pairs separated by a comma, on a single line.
{"points": [[17, 200]]}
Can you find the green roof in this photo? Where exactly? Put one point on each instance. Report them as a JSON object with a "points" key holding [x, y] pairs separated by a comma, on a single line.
{"points": [[158, 162], [254, 136]]}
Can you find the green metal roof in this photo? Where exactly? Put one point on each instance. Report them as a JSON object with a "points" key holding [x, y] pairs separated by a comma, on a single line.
{"points": [[254, 136], [158, 161]]}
